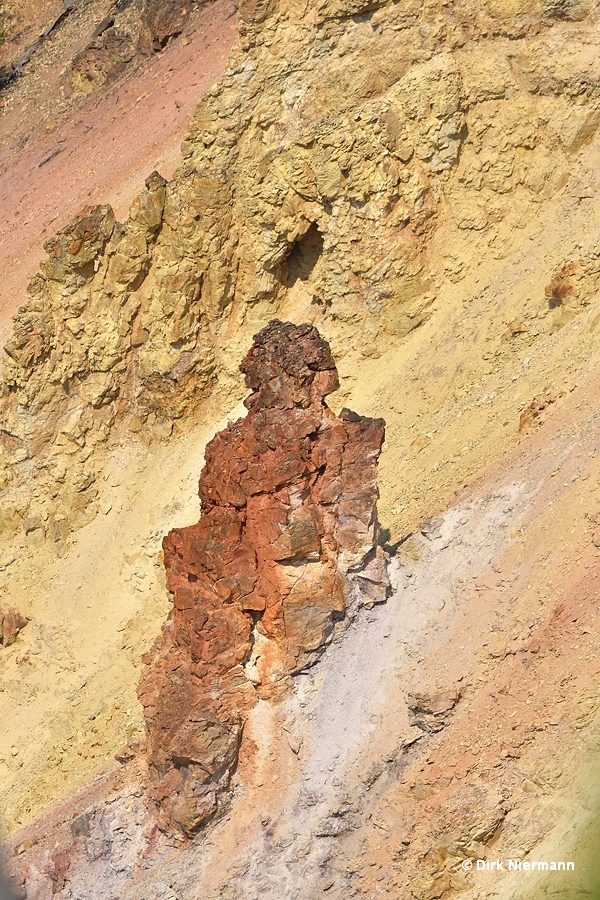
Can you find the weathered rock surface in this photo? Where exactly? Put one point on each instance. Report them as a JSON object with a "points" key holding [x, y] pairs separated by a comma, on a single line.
{"points": [[163, 21], [11, 623], [287, 537], [466, 140], [321, 186], [366, 803], [104, 59], [148, 26]]}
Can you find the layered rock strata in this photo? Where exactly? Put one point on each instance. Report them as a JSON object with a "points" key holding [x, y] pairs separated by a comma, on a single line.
{"points": [[287, 539]]}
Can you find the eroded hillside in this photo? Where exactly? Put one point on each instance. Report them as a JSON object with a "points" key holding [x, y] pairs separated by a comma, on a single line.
{"points": [[420, 182], [62, 147]]}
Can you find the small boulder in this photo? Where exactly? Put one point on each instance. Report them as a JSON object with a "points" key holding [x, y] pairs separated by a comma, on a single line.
{"points": [[12, 622]]}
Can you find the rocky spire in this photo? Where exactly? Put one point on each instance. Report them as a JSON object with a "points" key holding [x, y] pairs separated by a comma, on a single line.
{"points": [[286, 541]]}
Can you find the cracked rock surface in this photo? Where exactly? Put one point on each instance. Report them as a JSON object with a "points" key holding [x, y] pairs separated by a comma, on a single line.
{"points": [[287, 536]]}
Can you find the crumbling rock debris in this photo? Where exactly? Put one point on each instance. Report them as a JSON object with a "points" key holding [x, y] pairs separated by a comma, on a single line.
{"points": [[11, 623], [163, 21], [74, 248], [533, 410], [116, 44], [111, 50], [370, 583], [472, 839], [15, 69], [429, 711], [105, 58], [286, 541], [560, 286]]}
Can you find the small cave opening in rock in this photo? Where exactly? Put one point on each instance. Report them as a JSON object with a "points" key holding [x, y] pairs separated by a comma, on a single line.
{"points": [[304, 255]]}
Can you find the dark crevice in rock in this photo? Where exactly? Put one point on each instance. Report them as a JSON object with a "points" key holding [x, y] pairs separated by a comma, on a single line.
{"points": [[302, 258]]}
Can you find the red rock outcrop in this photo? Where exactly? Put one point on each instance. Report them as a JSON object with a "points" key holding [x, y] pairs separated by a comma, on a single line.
{"points": [[286, 541]]}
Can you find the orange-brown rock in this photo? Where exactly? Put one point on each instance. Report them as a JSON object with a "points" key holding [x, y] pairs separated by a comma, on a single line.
{"points": [[11, 623], [286, 541], [534, 410]]}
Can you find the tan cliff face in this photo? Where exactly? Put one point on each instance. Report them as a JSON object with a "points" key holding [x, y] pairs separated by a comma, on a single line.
{"points": [[419, 182]]}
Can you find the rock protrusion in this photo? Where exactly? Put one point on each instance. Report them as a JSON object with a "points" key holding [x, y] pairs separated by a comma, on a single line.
{"points": [[11, 623], [161, 22], [286, 538]]}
